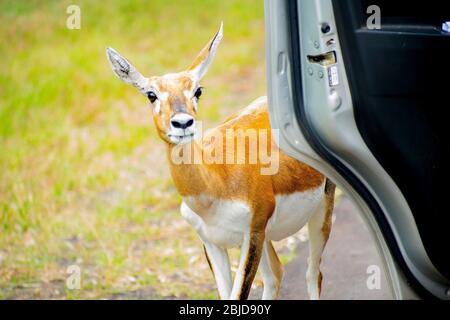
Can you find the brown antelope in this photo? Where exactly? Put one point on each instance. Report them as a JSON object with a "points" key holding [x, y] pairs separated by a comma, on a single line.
{"points": [[233, 204]]}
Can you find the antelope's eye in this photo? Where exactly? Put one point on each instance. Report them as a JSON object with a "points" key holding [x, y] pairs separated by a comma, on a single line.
{"points": [[151, 96], [198, 93]]}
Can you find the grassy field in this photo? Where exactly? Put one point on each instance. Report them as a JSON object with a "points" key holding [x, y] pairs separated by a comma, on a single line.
{"points": [[83, 179]]}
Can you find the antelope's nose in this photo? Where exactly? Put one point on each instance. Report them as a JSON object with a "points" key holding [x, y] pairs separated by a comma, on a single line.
{"points": [[182, 121]]}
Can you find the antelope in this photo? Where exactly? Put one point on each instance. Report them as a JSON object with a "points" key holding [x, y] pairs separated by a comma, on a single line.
{"points": [[234, 205]]}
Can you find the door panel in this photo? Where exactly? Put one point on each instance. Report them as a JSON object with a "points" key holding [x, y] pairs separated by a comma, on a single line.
{"points": [[398, 77], [356, 128]]}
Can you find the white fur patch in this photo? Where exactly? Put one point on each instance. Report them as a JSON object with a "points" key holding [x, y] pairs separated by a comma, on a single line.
{"points": [[218, 256], [187, 94], [223, 222], [292, 212], [163, 96], [157, 107]]}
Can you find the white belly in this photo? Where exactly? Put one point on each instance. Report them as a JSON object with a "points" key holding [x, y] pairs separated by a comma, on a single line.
{"points": [[225, 222], [292, 212]]}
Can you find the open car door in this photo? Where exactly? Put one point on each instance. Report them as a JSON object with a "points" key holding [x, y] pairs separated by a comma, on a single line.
{"points": [[358, 90]]}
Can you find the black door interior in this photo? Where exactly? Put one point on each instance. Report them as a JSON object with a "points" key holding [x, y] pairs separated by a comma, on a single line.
{"points": [[400, 84]]}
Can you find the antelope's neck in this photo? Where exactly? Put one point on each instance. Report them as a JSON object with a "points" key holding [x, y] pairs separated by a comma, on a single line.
{"points": [[190, 178]]}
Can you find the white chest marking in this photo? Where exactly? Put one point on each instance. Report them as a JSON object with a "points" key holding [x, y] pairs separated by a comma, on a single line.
{"points": [[223, 222]]}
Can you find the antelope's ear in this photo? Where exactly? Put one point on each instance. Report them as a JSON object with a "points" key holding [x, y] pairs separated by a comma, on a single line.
{"points": [[126, 71], [201, 63]]}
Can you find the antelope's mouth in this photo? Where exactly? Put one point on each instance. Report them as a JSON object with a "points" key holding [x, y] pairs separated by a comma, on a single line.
{"points": [[181, 139]]}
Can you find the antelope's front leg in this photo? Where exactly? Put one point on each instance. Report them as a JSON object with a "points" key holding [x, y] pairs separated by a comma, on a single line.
{"points": [[217, 257], [251, 251], [219, 264]]}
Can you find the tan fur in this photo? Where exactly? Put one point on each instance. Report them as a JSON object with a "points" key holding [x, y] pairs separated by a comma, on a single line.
{"points": [[251, 263], [275, 264], [203, 55], [319, 282], [243, 182], [205, 183], [174, 87], [330, 188]]}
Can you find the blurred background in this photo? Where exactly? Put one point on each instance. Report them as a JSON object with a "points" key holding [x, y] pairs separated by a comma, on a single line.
{"points": [[83, 175]]}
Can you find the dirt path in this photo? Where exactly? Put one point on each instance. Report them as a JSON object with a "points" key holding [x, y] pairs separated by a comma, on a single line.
{"points": [[349, 252]]}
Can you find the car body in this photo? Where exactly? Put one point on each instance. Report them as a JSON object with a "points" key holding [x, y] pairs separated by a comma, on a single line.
{"points": [[357, 90]]}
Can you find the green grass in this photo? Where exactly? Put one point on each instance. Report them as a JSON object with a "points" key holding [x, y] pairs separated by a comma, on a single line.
{"points": [[82, 173]]}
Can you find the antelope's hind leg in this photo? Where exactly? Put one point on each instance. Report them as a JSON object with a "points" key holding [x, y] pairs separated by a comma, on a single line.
{"points": [[319, 228], [271, 271]]}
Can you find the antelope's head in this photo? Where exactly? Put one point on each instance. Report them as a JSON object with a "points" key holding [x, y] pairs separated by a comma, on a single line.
{"points": [[174, 97]]}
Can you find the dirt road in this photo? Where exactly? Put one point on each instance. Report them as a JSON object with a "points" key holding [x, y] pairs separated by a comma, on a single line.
{"points": [[349, 252]]}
